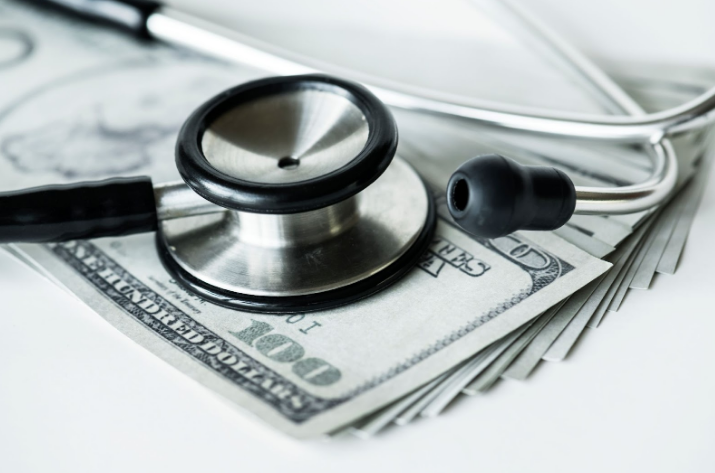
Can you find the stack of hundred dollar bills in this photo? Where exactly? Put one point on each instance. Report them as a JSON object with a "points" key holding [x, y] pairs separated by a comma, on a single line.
{"points": [[81, 103]]}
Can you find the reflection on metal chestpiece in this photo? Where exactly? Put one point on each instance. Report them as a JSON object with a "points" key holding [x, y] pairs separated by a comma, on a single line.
{"points": [[318, 213]]}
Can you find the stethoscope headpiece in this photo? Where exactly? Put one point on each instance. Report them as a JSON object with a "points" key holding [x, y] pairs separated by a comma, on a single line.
{"points": [[319, 213]]}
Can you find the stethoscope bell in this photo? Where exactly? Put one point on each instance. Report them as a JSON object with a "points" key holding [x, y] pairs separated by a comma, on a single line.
{"points": [[319, 213]]}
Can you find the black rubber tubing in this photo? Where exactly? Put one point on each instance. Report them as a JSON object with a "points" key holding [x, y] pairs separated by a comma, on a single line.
{"points": [[113, 207]]}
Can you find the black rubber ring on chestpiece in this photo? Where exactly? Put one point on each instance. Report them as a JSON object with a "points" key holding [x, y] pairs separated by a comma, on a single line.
{"points": [[295, 197]]}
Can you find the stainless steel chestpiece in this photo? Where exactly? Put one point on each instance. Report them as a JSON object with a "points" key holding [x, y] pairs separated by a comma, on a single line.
{"points": [[292, 200]]}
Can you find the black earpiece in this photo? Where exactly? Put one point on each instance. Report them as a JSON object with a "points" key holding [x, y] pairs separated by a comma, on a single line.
{"points": [[491, 196]]}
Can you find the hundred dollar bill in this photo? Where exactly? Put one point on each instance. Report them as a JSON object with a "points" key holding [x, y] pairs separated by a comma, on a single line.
{"points": [[78, 103]]}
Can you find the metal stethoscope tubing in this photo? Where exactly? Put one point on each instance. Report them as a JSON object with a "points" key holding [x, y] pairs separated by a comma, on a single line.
{"points": [[176, 27], [179, 28], [173, 26]]}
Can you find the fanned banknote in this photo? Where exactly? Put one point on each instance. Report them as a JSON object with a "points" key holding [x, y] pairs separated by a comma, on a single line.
{"points": [[79, 103]]}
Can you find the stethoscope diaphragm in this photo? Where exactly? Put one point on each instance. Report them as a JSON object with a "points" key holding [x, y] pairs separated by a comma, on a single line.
{"points": [[319, 213]]}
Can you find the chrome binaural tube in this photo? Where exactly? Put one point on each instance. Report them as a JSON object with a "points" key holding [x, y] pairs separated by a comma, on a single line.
{"points": [[177, 27], [174, 26], [171, 25], [599, 200], [637, 197]]}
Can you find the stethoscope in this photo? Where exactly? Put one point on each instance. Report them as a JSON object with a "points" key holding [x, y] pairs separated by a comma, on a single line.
{"points": [[293, 199]]}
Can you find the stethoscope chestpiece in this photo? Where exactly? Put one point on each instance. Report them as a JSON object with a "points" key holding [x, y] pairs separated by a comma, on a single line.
{"points": [[319, 213]]}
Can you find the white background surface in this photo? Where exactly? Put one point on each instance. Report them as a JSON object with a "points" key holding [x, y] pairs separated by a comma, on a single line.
{"points": [[635, 395]]}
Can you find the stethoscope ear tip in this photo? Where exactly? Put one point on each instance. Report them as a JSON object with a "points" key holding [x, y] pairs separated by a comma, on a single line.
{"points": [[491, 196]]}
